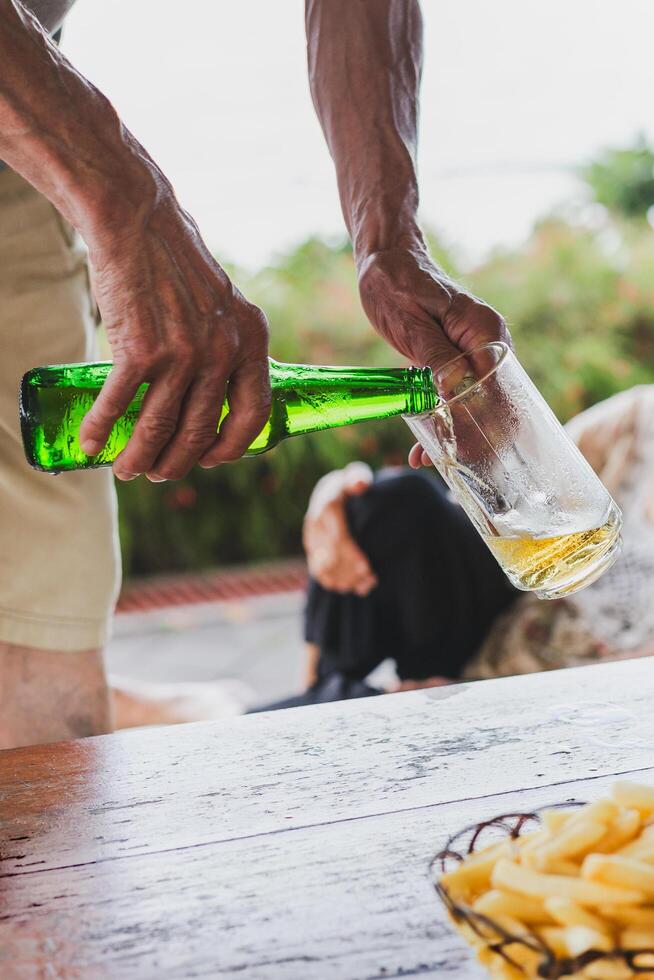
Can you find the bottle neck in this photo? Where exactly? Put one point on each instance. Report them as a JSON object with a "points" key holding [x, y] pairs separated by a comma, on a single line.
{"points": [[310, 398]]}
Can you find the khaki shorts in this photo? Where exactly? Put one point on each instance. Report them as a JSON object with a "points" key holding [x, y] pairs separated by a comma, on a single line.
{"points": [[59, 556]]}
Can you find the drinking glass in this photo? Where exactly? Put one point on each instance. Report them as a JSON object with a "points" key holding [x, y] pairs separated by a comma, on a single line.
{"points": [[545, 515]]}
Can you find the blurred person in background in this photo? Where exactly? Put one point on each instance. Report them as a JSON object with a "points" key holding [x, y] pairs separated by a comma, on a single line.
{"points": [[172, 316], [398, 571]]}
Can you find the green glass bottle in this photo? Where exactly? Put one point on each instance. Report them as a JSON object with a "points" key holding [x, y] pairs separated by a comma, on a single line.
{"points": [[55, 399]]}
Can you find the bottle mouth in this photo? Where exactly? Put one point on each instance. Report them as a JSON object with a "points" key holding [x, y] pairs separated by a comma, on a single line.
{"points": [[424, 397], [461, 376]]}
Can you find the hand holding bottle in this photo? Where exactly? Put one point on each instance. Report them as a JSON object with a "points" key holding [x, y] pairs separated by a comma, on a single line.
{"points": [[172, 316], [175, 321]]}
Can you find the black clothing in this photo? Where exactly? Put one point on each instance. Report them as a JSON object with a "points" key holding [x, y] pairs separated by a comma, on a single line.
{"points": [[439, 591]]}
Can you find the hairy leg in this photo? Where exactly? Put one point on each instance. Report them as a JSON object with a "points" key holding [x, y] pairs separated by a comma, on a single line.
{"points": [[48, 695]]}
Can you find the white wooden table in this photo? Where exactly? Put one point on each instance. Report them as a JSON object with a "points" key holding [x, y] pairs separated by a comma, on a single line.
{"points": [[292, 845]]}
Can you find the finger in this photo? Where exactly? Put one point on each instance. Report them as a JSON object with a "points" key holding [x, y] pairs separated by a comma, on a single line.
{"points": [[361, 577], [113, 401], [365, 586], [196, 429], [326, 581], [155, 427], [430, 345], [406, 686], [468, 322], [357, 560], [437, 682], [419, 458], [415, 456], [248, 394]]}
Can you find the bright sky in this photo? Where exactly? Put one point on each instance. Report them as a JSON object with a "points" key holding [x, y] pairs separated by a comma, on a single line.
{"points": [[514, 94]]}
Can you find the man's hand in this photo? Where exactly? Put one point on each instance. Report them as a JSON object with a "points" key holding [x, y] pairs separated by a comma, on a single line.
{"points": [[422, 313], [335, 560], [175, 320]]}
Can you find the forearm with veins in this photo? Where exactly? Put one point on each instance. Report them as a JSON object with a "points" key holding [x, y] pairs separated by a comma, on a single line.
{"points": [[365, 61], [62, 134]]}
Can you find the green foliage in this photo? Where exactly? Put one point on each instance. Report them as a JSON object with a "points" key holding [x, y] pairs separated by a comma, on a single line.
{"points": [[623, 180], [253, 509], [580, 305]]}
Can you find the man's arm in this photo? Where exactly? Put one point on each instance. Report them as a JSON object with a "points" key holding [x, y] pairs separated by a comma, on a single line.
{"points": [[365, 60], [172, 316]]}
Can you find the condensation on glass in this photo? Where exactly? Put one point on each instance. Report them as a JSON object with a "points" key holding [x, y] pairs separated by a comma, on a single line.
{"points": [[540, 508], [305, 398]]}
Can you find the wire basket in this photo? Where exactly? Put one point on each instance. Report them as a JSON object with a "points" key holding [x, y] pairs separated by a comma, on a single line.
{"points": [[491, 933]]}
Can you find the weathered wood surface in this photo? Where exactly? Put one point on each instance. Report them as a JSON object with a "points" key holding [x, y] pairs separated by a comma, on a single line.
{"points": [[292, 845]]}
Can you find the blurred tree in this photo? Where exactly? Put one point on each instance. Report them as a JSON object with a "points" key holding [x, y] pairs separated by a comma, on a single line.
{"points": [[623, 180], [580, 305]]}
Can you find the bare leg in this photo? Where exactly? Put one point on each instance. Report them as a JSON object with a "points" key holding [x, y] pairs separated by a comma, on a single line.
{"points": [[312, 651], [137, 703], [48, 695]]}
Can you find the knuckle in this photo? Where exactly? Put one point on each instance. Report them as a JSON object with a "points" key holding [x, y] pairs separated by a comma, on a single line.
{"points": [[214, 372], [151, 363], [259, 322], [184, 352], [126, 369], [225, 340], [157, 427], [105, 412], [258, 412], [257, 319], [198, 437]]}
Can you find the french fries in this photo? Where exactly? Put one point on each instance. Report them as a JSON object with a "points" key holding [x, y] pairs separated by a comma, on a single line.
{"points": [[495, 903], [581, 883], [507, 874], [635, 795], [613, 869], [573, 840], [568, 913]]}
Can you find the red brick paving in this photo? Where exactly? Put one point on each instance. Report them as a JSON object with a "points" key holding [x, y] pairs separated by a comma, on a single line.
{"points": [[141, 595]]}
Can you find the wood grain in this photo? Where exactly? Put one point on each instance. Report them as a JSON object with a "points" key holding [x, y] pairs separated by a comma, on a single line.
{"points": [[140, 791], [295, 844], [347, 900]]}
